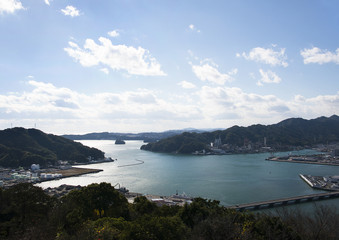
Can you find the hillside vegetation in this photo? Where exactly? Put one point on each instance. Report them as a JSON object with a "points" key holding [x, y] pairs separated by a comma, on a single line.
{"points": [[23, 147], [291, 132], [98, 211], [145, 136]]}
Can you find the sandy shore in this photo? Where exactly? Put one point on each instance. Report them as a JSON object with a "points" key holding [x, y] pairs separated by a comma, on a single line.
{"points": [[74, 171]]}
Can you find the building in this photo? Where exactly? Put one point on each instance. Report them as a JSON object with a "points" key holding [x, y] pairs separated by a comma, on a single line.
{"points": [[35, 167]]}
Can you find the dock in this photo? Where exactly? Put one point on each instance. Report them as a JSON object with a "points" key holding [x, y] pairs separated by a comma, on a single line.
{"points": [[285, 201]]}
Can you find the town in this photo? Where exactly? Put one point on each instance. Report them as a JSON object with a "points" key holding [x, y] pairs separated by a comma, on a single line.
{"points": [[35, 174]]}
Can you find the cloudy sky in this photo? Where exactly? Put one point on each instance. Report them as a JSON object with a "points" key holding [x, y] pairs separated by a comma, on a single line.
{"points": [[78, 66]]}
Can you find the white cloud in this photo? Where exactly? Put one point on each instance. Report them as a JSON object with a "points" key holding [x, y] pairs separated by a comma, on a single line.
{"points": [[186, 85], [224, 102], [207, 72], [50, 103], [268, 77], [193, 28], [267, 56], [10, 6], [234, 71], [317, 55], [114, 33], [48, 2], [105, 70], [136, 61], [70, 11], [63, 110]]}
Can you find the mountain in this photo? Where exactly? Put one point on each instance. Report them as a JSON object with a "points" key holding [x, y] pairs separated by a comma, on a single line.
{"points": [[23, 147], [145, 136], [292, 132]]}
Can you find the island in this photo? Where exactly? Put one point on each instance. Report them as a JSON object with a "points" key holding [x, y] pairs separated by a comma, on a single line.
{"points": [[120, 141]]}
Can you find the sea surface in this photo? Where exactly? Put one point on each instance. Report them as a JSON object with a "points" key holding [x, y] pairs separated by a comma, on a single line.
{"points": [[231, 179]]}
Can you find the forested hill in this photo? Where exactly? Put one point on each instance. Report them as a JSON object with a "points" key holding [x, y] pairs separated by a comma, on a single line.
{"points": [[23, 147], [290, 132]]}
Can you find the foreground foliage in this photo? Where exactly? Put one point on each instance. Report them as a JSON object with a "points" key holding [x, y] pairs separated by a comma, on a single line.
{"points": [[98, 211]]}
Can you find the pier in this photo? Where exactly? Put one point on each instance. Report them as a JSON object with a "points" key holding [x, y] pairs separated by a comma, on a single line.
{"points": [[285, 201]]}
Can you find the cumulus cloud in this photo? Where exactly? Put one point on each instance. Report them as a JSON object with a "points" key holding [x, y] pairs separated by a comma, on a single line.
{"points": [[186, 85], [317, 55], [268, 77], [10, 6], [209, 72], [104, 70], [136, 61], [193, 28], [46, 101], [63, 109], [70, 11], [217, 102], [267, 56], [114, 33]]}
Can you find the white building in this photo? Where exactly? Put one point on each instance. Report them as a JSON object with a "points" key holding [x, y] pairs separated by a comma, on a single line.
{"points": [[35, 167]]}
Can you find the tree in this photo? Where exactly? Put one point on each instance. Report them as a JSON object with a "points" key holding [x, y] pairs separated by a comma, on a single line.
{"points": [[25, 210]]}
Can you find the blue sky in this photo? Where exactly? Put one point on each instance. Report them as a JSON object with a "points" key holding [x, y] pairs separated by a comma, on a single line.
{"points": [[81, 66]]}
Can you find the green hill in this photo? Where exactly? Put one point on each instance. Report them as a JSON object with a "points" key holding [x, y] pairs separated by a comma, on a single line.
{"points": [[23, 147], [293, 132]]}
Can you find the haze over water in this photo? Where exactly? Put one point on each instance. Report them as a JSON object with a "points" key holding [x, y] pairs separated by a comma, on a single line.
{"points": [[231, 179]]}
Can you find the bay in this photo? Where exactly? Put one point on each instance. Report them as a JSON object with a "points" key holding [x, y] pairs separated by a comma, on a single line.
{"points": [[231, 179]]}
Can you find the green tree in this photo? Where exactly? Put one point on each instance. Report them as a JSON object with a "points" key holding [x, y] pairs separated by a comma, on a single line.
{"points": [[25, 211]]}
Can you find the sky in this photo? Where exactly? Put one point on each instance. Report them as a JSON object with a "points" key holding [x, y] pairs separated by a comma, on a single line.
{"points": [[80, 66]]}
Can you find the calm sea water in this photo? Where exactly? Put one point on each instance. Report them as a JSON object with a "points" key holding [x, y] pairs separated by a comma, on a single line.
{"points": [[231, 179]]}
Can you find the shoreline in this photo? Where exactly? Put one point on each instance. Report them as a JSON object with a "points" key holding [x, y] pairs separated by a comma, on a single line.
{"points": [[71, 172], [304, 161], [76, 171]]}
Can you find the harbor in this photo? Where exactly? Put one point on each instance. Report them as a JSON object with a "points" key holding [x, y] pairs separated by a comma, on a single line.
{"points": [[322, 159], [10, 177], [173, 200], [221, 177], [328, 183]]}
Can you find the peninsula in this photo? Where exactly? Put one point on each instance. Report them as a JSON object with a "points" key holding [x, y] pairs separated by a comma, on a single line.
{"points": [[30, 155], [287, 135]]}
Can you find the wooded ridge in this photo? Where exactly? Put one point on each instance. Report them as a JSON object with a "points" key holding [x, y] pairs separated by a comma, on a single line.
{"points": [[292, 132], [23, 147]]}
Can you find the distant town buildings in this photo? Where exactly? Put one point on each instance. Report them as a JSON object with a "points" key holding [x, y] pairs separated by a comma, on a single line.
{"points": [[35, 167]]}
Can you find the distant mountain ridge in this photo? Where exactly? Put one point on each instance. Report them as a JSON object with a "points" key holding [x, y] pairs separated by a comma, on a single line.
{"points": [[146, 136], [288, 133], [23, 147]]}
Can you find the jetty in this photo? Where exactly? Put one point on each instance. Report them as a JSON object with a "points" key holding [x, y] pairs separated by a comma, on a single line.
{"points": [[285, 201], [132, 164]]}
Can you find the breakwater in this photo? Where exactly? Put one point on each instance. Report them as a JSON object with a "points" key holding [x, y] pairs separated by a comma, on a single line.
{"points": [[133, 164]]}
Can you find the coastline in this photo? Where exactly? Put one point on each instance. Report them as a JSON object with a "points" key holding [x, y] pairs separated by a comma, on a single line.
{"points": [[75, 171], [71, 172], [304, 161]]}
